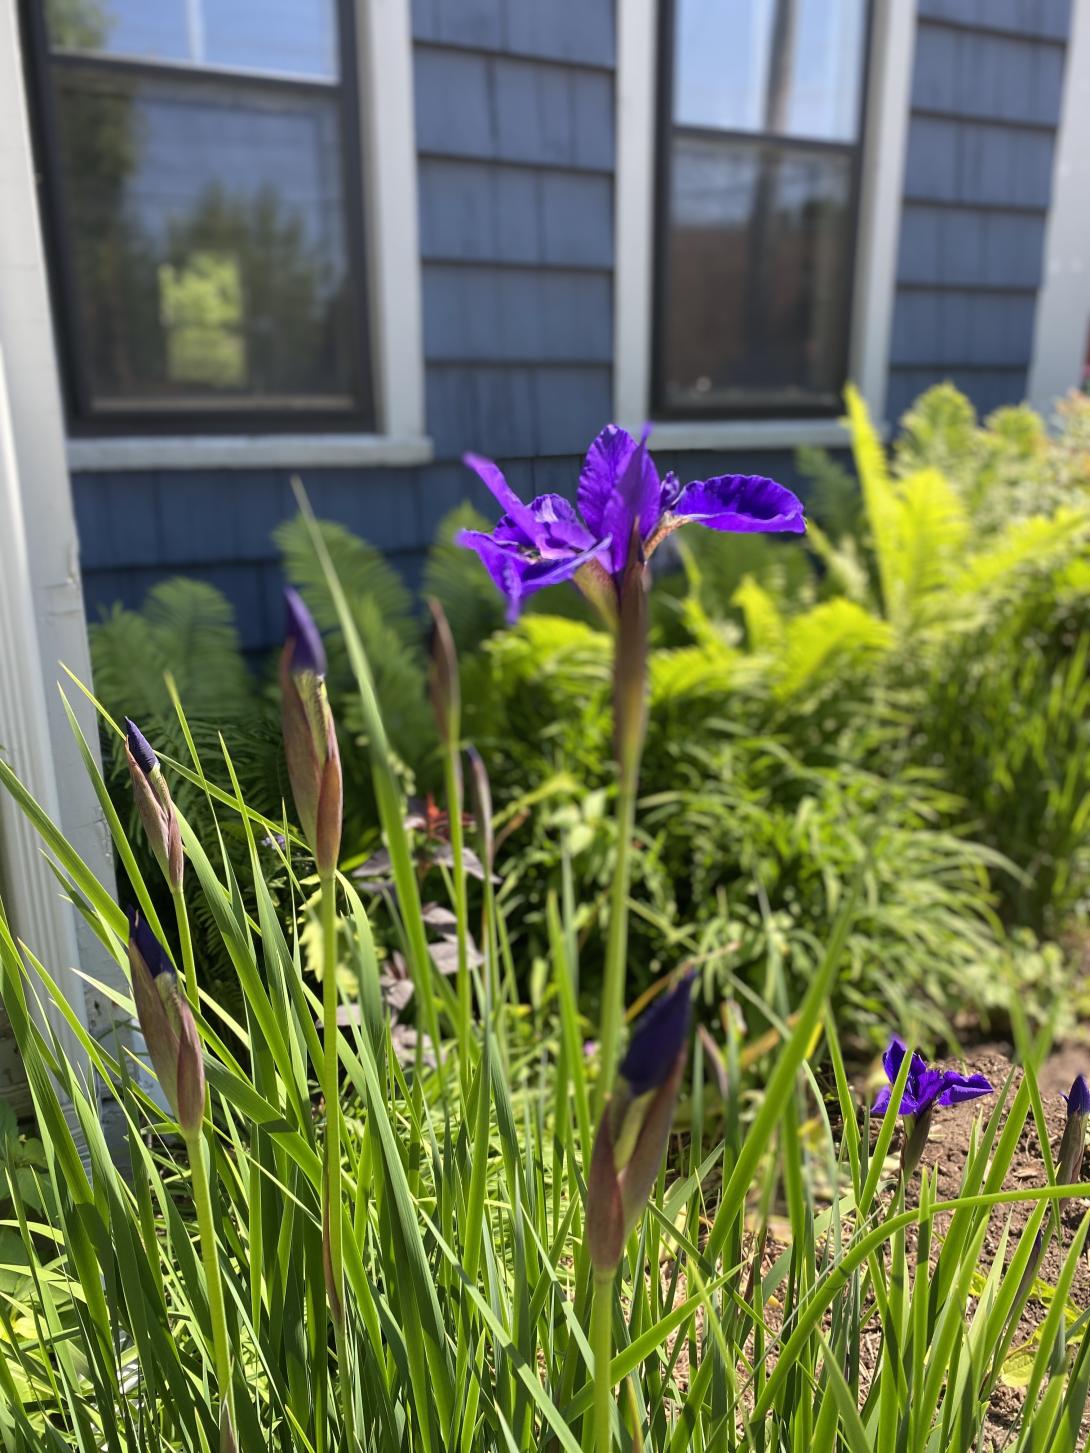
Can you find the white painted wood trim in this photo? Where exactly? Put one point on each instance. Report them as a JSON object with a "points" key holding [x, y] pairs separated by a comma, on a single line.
{"points": [[255, 451], [35, 909], [1063, 305], [389, 149], [750, 434], [634, 210], [885, 144], [41, 596], [885, 136]]}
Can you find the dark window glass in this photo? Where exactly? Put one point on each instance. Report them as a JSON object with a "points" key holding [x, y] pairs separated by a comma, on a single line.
{"points": [[205, 228], [759, 162]]}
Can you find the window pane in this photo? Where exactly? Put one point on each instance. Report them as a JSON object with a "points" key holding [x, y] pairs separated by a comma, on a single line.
{"points": [[278, 37], [207, 231], [756, 277], [825, 71], [722, 50], [788, 66]]}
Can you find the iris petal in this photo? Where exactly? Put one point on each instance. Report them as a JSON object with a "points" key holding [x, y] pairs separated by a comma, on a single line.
{"points": [[744, 503]]}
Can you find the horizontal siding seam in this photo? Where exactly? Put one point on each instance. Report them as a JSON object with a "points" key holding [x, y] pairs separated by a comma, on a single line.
{"points": [[942, 370], [960, 204], [572, 168], [997, 32], [1007, 123], [974, 288], [530, 361], [487, 52], [502, 264]]}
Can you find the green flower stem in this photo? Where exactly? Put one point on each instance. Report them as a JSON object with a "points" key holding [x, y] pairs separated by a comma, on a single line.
{"points": [[202, 1199], [453, 785], [185, 938], [601, 1343], [332, 1186], [617, 941]]}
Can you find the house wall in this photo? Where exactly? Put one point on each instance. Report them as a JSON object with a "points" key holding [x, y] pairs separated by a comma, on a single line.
{"points": [[515, 119], [515, 138], [986, 97]]}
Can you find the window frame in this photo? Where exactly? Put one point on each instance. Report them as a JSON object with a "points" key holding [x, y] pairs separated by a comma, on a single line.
{"points": [[886, 87], [758, 143], [375, 98]]}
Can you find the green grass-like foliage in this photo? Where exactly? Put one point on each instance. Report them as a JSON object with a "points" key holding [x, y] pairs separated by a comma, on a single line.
{"points": [[462, 1198], [933, 622]]}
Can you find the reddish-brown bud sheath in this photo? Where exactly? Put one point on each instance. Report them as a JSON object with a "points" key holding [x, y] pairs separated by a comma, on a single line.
{"points": [[313, 759], [154, 805], [605, 1231], [168, 1026]]}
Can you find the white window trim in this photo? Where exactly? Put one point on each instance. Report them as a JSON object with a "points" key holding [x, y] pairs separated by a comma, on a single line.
{"points": [[395, 326], [1063, 304], [885, 135]]}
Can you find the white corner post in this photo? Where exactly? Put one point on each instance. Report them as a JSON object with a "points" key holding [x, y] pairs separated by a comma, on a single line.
{"points": [[1062, 329], [41, 597], [388, 125], [634, 210], [885, 147]]}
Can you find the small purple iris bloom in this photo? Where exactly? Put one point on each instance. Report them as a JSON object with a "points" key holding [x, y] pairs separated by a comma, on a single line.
{"points": [[926, 1087], [620, 495], [302, 635], [657, 1040]]}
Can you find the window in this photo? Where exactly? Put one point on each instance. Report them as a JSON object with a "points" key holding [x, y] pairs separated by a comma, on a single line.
{"points": [[203, 179], [759, 161]]}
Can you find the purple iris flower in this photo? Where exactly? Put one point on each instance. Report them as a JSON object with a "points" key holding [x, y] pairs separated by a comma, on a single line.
{"points": [[620, 495], [926, 1087]]}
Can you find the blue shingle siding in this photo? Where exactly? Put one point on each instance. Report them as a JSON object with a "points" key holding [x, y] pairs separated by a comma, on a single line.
{"points": [[515, 135], [986, 94], [514, 120]]}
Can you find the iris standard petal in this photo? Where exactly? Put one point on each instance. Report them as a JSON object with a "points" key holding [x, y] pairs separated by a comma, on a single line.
{"points": [[307, 651], [891, 1060], [743, 503], [619, 486]]}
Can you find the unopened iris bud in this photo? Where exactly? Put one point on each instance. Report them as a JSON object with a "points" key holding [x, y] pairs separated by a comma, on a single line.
{"points": [[310, 737], [443, 681], [168, 1026], [635, 1126], [154, 805], [482, 806], [1073, 1142]]}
